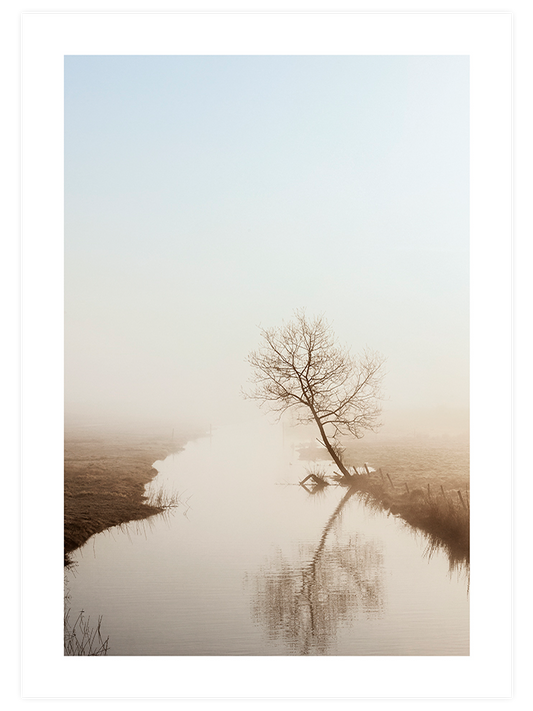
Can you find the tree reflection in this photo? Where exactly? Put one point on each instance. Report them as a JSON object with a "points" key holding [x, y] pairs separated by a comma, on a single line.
{"points": [[340, 580]]}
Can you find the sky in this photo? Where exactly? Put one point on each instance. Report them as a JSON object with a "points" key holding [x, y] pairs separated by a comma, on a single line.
{"points": [[206, 196], [359, 180]]}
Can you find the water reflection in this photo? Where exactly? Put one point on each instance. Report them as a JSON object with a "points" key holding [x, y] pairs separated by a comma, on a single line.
{"points": [[458, 557], [326, 574], [458, 562], [303, 604]]}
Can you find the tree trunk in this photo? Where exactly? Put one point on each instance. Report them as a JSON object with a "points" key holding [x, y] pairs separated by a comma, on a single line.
{"points": [[328, 446]]}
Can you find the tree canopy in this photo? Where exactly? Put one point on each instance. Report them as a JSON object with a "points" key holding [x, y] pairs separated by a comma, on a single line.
{"points": [[300, 365]]}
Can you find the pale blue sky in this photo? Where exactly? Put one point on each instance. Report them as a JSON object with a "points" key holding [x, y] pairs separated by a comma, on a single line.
{"points": [[207, 195], [134, 313]]}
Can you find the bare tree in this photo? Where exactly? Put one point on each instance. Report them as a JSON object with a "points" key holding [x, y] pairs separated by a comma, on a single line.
{"points": [[300, 365]]}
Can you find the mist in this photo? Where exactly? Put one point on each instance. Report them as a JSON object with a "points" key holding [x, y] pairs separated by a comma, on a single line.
{"points": [[206, 197], [191, 177]]}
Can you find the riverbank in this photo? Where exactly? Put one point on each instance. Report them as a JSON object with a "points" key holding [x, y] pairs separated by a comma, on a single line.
{"points": [[105, 472], [425, 481], [444, 516]]}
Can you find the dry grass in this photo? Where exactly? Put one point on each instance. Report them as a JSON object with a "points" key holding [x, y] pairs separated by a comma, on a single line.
{"points": [[104, 479], [82, 639], [318, 474], [423, 481], [443, 517]]}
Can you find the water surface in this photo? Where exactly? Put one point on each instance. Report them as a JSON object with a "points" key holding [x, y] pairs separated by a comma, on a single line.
{"points": [[252, 564]]}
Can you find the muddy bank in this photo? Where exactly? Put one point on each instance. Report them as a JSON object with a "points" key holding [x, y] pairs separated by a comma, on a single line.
{"points": [[105, 473]]}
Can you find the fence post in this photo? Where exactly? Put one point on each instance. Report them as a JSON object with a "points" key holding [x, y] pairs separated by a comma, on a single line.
{"points": [[388, 475], [406, 487], [367, 469]]}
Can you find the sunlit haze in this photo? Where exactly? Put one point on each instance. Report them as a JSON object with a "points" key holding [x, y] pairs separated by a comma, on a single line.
{"points": [[206, 196], [221, 212]]}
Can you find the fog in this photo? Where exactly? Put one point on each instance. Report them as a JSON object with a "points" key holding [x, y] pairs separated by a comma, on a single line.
{"points": [[207, 191], [208, 196]]}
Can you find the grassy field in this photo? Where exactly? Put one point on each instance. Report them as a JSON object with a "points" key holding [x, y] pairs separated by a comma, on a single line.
{"points": [[104, 478], [425, 481]]}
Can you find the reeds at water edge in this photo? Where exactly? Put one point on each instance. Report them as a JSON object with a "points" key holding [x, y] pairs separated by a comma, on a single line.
{"points": [[442, 516], [444, 520], [163, 498], [82, 639]]}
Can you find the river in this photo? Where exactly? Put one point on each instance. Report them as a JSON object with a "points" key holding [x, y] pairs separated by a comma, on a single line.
{"points": [[250, 563]]}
